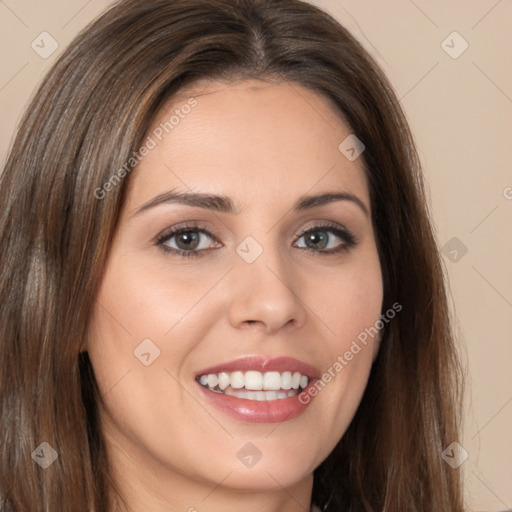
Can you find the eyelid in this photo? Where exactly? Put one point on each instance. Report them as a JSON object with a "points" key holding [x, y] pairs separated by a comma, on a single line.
{"points": [[184, 227], [322, 224]]}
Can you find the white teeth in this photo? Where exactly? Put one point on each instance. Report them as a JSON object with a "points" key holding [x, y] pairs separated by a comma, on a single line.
{"points": [[296, 380], [286, 380], [237, 380], [272, 381], [271, 395], [224, 380], [254, 385], [213, 380], [261, 396], [253, 381]]}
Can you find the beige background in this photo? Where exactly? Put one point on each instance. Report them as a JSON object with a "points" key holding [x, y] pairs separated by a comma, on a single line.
{"points": [[460, 110]]}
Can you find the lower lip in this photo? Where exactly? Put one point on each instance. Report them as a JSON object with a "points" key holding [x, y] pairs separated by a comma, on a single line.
{"points": [[271, 411]]}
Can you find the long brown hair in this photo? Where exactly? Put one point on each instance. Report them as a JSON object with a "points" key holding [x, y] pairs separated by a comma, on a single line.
{"points": [[87, 119]]}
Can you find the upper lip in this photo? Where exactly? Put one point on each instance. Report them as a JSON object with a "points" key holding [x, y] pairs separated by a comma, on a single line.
{"points": [[257, 363]]}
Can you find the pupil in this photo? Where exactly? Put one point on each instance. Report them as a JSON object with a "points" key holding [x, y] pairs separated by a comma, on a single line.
{"points": [[319, 240], [189, 239]]}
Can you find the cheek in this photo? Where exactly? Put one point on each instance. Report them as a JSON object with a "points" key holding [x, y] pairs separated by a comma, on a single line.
{"points": [[141, 300], [132, 315], [146, 323], [352, 302], [351, 310], [138, 361]]}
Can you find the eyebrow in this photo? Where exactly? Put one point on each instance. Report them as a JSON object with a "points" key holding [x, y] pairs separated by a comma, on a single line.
{"points": [[224, 204]]}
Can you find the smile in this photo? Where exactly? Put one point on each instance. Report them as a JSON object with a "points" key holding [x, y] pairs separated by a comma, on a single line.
{"points": [[256, 385], [253, 389]]}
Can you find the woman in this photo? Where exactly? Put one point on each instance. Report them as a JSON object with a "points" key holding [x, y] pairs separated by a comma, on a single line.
{"points": [[305, 359]]}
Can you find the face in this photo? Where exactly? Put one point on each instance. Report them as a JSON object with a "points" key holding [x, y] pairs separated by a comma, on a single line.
{"points": [[225, 336]]}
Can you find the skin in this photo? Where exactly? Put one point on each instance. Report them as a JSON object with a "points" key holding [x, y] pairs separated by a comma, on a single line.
{"points": [[264, 145]]}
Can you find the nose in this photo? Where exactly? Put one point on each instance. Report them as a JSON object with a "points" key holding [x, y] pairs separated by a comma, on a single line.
{"points": [[265, 295]]}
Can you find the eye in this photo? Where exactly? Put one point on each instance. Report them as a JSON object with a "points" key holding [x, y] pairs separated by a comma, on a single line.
{"points": [[194, 240], [186, 241], [322, 238]]}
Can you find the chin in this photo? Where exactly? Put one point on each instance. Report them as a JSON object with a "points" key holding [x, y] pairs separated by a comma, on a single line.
{"points": [[272, 476]]}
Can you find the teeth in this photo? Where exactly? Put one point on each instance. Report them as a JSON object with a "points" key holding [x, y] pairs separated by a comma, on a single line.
{"points": [[254, 385], [253, 380], [272, 380], [224, 380], [286, 380], [213, 380], [237, 380], [261, 396], [296, 380], [271, 395]]}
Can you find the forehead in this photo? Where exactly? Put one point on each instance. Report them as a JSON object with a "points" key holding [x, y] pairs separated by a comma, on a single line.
{"points": [[247, 139]]}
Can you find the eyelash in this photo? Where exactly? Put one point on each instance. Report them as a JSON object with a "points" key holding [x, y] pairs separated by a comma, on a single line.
{"points": [[347, 236]]}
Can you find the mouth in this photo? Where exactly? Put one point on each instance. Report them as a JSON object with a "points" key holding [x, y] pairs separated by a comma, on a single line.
{"points": [[256, 385], [257, 390]]}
